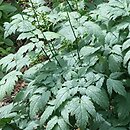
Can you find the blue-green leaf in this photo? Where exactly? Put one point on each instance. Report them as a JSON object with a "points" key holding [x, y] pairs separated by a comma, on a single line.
{"points": [[117, 86]]}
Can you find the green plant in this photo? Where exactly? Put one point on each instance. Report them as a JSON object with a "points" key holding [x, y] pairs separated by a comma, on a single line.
{"points": [[84, 79], [6, 44], [6, 11]]}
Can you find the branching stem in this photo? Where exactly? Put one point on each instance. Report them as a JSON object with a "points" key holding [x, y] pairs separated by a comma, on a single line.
{"points": [[74, 36], [53, 53], [71, 8]]}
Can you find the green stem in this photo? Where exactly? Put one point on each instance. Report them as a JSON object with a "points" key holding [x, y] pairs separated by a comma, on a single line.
{"points": [[71, 8], [74, 36], [44, 35], [54, 55], [53, 48], [33, 7], [42, 47]]}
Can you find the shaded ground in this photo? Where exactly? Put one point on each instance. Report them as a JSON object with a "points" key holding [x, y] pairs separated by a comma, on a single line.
{"points": [[19, 85]]}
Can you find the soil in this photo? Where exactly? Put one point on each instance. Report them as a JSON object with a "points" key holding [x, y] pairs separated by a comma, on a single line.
{"points": [[8, 99]]}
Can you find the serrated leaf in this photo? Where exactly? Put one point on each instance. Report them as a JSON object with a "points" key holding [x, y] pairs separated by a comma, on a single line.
{"points": [[6, 60], [114, 62], [116, 49], [67, 33], [126, 45], [25, 26], [89, 105], [86, 51], [5, 110], [98, 95], [115, 85], [111, 38], [30, 73], [62, 95], [8, 82], [46, 114], [116, 75], [94, 29], [63, 125], [74, 90], [10, 28], [82, 90], [31, 126], [11, 66], [100, 82], [126, 57], [29, 47], [23, 36], [65, 114], [52, 123], [25, 61], [51, 35], [123, 106], [38, 102], [81, 108]]}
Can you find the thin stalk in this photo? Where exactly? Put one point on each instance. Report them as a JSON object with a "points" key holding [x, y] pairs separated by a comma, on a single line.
{"points": [[44, 35], [46, 54], [53, 48], [42, 47], [54, 55], [74, 36], [70, 5], [45, 22], [33, 7]]}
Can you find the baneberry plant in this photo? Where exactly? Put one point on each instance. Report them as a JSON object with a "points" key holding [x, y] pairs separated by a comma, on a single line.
{"points": [[82, 81]]}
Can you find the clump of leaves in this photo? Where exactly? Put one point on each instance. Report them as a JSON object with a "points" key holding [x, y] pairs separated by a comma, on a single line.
{"points": [[84, 80], [6, 11]]}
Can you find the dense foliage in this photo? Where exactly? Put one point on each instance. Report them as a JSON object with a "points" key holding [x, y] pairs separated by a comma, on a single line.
{"points": [[6, 11], [6, 44], [75, 64]]}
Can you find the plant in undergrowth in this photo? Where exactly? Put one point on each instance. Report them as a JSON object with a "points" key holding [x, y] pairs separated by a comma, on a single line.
{"points": [[6, 11], [6, 44], [82, 80]]}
